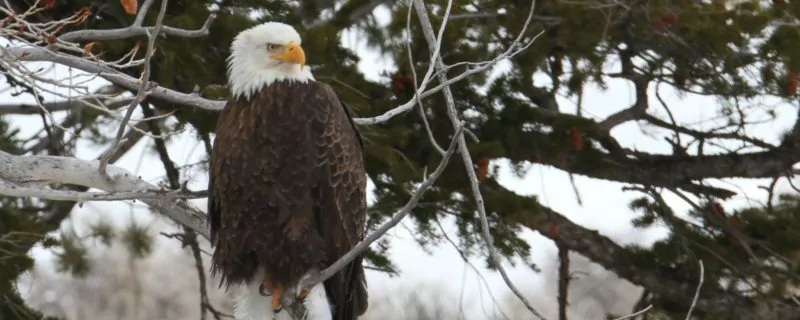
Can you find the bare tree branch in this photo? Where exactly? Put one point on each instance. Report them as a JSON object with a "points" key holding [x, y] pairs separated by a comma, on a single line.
{"points": [[564, 278], [437, 61], [63, 105], [194, 100], [189, 237], [421, 107], [105, 71], [15, 190], [142, 91], [635, 314], [22, 170], [136, 31], [697, 291]]}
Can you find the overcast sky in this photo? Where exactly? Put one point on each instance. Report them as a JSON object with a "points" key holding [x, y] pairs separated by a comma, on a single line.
{"points": [[443, 274]]}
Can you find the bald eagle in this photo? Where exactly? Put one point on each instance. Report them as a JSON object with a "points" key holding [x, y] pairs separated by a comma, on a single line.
{"points": [[287, 182]]}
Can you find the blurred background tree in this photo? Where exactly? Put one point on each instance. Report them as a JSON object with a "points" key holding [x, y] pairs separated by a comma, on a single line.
{"points": [[742, 53]]}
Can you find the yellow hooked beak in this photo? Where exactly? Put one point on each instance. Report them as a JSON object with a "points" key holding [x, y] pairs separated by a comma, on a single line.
{"points": [[293, 53]]}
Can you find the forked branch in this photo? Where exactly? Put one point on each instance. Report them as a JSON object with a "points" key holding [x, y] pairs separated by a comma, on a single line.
{"points": [[298, 308], [143, 89], [452, 112]]}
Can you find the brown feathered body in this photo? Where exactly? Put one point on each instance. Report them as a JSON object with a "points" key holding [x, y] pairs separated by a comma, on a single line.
{"points": [[287, 191]]}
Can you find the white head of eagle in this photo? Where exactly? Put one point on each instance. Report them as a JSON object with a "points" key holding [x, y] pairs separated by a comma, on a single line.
{"points": [[264, 54]]}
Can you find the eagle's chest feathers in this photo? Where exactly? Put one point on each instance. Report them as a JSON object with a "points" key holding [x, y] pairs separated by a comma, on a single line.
{"points": [[269, 145], [268, 113]]}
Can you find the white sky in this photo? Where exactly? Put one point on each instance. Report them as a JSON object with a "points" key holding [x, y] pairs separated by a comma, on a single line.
{"points": [[604, 204]]}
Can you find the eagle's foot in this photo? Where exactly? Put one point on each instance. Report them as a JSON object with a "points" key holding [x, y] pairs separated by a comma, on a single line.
{"points": [[266, 287], [303, 295], [277, 294], [262, 291]]}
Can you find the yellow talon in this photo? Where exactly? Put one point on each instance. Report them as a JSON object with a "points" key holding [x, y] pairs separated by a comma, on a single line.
{"points": [[266, 287], [303, 295], [277, 294]]}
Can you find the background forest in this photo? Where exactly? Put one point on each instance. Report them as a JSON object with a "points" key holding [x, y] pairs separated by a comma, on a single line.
{"points": [[589, 159]]}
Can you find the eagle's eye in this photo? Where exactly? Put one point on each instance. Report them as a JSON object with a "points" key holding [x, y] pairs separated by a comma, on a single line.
{"points": [[273, 47]]}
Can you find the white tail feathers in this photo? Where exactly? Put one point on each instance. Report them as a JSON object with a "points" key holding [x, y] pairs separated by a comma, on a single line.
{"points": [[251, 305]]}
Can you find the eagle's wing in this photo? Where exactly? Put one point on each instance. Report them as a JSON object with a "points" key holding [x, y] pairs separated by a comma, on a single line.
{"points": [[214, 216], [341, 198]]}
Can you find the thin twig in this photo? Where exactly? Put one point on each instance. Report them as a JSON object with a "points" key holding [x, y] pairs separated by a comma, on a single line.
{"points": [[563, 280], [189, 237], [464, 258], [697, 291], [462, 144], [145, 79], [73, 105], [640, 312], [201, 274], [421, 108], [723, 224]]}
